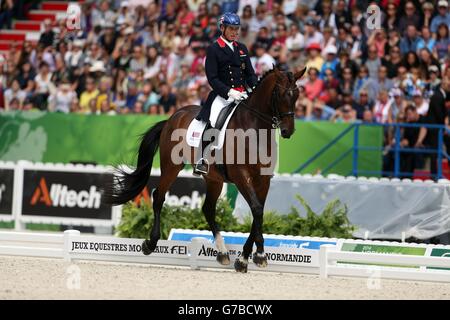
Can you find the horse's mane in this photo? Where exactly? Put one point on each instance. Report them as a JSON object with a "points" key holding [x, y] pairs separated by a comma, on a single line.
{"points": [[265, 75]]}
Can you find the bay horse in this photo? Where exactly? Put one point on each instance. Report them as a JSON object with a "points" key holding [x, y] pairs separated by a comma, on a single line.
{"points": [[270, 105]]}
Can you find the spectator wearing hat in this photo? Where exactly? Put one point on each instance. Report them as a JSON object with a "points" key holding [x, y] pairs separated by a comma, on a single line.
{"points": [[320, 112], [428, 13], [443, 16], [330, 62], [314, 60], [434, 81], [74, 58], [398, 104], [295, 57], [420, 103], [61, 99], [312, 36]]}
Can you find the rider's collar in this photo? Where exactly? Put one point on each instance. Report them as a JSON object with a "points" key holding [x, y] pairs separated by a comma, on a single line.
{"points": [[222, 42]]}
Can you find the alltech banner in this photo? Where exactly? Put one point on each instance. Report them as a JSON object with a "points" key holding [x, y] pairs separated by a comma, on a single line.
{"points": [[65, 194], [6, 191], [185, 191]]}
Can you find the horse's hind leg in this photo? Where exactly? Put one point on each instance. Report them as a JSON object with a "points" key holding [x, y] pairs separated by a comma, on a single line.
{"points": [[169, 173], [213, 190]]}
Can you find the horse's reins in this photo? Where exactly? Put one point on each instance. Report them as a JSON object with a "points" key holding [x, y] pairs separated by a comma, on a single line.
{"points": [[275, 119]]}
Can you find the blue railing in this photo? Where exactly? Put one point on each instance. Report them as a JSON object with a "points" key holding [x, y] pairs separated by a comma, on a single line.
{"points": [[397, 150]]}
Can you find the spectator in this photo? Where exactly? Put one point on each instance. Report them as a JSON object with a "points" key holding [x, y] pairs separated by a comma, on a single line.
{"points": [[262, 61], [410, 161], [167, 99], [44, 86], [421, 105], [345, 114], [427, 41], [14, 92], [373, 62], [259, 20], [411, 18], [61, 99], [362, 105], [382, 81], [410, 41], [442, 42], [314, 86], [315, 60], [382, 107], [312, 36], [331, 61], [48, 36], [89, 94], [443, 16]]}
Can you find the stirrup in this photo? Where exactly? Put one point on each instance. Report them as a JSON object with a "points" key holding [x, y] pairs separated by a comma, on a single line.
{"points": [[201, 167]]}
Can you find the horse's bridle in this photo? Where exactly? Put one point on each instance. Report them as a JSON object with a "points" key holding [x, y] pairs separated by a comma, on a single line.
{"points": [[275, 118]]}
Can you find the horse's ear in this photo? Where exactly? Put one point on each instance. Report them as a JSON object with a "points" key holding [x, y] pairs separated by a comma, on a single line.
{"points": [[299, 74]]}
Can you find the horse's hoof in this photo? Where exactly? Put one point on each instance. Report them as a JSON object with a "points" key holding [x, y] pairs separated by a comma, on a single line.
{"points": [[223, 258], [260, 260], [240, 266], [148, 247]]}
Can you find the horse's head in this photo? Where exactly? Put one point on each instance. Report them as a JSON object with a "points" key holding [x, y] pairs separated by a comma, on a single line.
{"points": [[284, 96]]}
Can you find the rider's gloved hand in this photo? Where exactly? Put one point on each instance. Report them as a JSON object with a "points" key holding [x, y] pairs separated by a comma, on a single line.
{"points": [[237, 95]]}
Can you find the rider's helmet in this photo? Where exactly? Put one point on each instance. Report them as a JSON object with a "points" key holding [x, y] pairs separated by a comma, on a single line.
{"points": [[230, 19]]}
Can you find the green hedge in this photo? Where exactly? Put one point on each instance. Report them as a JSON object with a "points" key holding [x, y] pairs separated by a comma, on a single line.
{"points": [[137, 221]]}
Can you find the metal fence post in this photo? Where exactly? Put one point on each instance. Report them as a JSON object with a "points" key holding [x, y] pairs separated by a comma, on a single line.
{"points": [[439, 151], [355, 150], [397, 151]]}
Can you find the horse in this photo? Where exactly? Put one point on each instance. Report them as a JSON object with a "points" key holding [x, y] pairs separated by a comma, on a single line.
{"points": [[270, 105]]}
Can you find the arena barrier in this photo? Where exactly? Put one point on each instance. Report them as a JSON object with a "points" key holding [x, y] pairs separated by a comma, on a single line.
{"points": [[198, 253], [72, 194]]}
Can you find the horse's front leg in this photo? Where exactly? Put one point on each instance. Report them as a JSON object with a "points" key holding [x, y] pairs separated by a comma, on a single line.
{"points": [[255, 193]]}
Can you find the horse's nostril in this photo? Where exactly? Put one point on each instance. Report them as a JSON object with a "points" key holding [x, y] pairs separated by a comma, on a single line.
{"points": [[284, 132]]}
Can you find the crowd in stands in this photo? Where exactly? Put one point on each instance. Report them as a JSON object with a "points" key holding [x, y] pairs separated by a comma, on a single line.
{"points": [[150, 59]]}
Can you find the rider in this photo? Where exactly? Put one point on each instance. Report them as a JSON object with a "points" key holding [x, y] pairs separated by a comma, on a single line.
{"points": [[229, 71]]}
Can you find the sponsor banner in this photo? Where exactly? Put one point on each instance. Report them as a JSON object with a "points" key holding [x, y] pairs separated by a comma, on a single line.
{"points": [[440, 252], [65, 194], [292, 257], [6, 191], [385, 249], [241, 238], [185, 191], [127, 247]]}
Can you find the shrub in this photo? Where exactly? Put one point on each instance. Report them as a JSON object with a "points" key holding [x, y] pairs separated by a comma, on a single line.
{"points": [[332, 222]]}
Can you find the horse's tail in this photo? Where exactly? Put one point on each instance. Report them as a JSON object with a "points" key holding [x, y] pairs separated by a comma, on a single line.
{"points": [[126, 185]]}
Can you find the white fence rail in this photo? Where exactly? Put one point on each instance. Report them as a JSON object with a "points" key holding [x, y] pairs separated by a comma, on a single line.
{"points": [[393, 266], [200, 253]]}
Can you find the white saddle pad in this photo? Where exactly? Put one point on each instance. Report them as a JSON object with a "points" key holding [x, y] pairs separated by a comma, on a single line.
{"points": [[195, 131]]}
